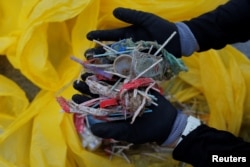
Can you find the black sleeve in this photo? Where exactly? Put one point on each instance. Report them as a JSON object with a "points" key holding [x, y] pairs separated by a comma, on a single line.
{"points": [[227, 24], [198, 147]]}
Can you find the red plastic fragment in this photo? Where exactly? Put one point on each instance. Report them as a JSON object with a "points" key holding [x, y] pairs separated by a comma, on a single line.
{"points": [[63, 103], [108, 103], [79, 122], [134, 84]]}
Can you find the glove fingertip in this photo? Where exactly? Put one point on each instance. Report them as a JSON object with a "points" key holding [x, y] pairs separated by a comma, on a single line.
{"points": [[78, 85], [91, 35], [78, 99], [86, 75], [120, 12], [131, 16], [117, 10]]}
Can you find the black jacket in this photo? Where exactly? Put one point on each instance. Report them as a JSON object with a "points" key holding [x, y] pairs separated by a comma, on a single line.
{"points": [[229, 23]]}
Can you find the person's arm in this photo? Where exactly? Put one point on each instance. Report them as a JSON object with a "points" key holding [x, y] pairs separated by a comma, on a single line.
{"points": [[205, 144], [229, 23]]}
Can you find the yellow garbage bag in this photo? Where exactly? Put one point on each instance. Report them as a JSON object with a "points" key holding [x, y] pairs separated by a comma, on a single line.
{"points": [[42, 33], [13, 103]]}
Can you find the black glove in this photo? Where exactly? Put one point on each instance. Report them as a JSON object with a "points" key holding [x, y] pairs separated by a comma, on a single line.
{"points": [[154, 126], [145, 26]]}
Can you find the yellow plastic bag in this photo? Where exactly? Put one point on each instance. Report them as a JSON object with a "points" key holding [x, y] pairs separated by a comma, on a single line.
{"points": [[13, 103], [41, 38]]}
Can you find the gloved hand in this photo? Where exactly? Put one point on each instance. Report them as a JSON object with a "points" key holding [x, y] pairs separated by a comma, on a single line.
{"points": [[145, 26], [150, 127], [163, 125]]}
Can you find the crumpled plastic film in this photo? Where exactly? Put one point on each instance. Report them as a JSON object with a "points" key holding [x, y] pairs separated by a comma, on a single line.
{"points": [[39, 39], [13, 103]]}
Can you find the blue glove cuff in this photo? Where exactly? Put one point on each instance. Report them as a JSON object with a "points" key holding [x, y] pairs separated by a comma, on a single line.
{"points": [[178, 127], [188, 42]]}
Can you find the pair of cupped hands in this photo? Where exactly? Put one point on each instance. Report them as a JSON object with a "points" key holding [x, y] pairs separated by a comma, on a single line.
{"points": [[151, 127]]}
